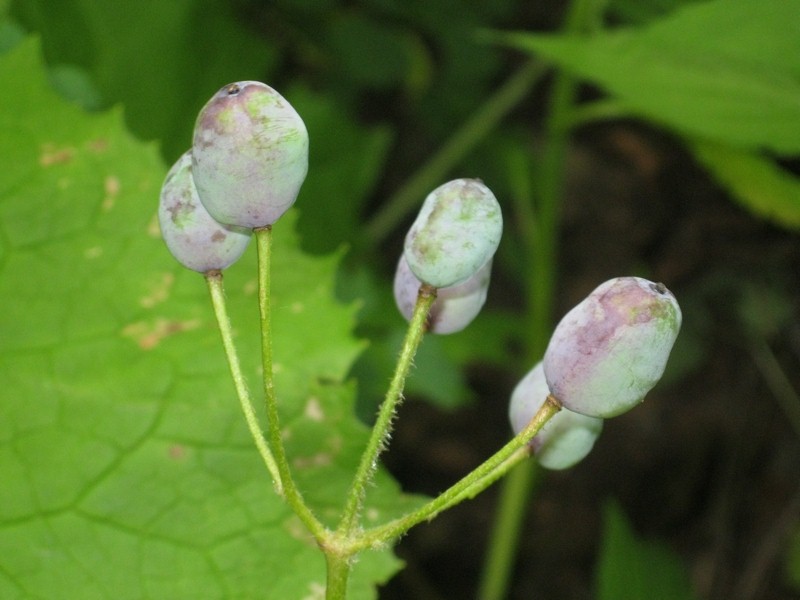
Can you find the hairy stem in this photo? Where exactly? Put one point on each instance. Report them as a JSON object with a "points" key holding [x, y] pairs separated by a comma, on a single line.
{"points": [[472, 484], [338, 567], [394, 395], [216, 289], [290, 490]]}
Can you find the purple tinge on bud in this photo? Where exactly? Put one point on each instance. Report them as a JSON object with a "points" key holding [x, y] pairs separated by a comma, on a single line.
{"points": [[193, 237], [611, 349], [455, 233], [454, 308], [250, 152], [566, 438]]}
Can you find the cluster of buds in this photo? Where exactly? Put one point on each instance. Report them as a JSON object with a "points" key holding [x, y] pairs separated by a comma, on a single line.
{"points": [[248, 159]]}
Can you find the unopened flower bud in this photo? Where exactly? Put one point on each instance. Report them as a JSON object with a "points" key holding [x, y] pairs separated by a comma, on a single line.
{"points": [[566, 438], [454, 308], [193, 237], [250, 152], [456, 232], [611, 349]]}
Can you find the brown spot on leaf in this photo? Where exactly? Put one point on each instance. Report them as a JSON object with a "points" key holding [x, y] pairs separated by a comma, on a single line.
{"points": [[177, 452], [51, 155], [111, 187], [148, 335], [153, 227], [98, 145], [159, 291]]}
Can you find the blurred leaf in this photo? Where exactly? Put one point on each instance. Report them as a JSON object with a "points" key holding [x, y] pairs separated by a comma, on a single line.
{"points": [[126, 466], [345, 161], [765, 310], [11, 34], [75, 85], [724, 70], [632, 569], [636, 11], [757, 182], [164, 60], [792, 565], [489, 339], [369, 51]]}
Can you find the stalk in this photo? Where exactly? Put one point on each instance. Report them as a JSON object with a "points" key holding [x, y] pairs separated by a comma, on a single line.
{"points": [[538, 229], [216, 289], [382, 428], [290, 491]]}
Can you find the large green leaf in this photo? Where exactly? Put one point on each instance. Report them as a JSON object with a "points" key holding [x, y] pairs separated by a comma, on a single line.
{"points": [[126, 468], [725, 70]]}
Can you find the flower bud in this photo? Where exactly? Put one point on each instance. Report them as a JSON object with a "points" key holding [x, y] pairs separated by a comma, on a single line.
{"points": [[193, 237], [566, 438], [250, 153], [611, 349], [454, 308], [456, 232]]}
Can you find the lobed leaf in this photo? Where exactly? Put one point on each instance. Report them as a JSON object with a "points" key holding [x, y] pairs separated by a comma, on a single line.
{"points": [[126, 465]]}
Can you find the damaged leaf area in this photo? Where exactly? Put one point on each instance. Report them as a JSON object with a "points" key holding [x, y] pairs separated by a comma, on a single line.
{"points": [[126, 465]]}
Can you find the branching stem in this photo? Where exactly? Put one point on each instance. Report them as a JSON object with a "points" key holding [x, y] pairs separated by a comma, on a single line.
{"points": [[472, 484]]}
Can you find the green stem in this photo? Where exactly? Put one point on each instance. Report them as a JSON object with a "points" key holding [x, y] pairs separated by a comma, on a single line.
{"points": [[382, 428], [491, 112], [472, 484], [777, 381], [517, 489], [290, 490], [338, 574], [538, 230], [215, 287]]}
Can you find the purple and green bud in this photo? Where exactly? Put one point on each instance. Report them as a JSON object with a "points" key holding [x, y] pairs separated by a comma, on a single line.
{"points": [[566, 438], [454, 308], [193, 237], [250, 153], [611, 349], [456, 233]]}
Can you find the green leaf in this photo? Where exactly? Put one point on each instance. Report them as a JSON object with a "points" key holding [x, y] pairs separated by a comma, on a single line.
{"points": [[792, 564], [635, 11], [162, 59], [725, 70], [631, 568], [757, 182], [127, 468], [345, 161]]}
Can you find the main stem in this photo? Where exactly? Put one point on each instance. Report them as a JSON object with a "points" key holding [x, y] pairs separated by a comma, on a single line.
{"points": [[216, 289], [291, 493], [383, 424]]}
